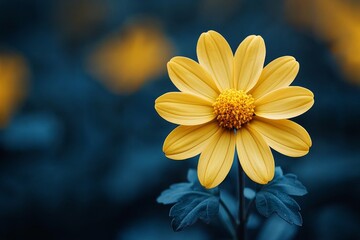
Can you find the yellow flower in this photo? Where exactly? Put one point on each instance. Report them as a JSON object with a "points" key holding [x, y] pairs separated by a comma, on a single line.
{"points": [[230, 100], [335, 22], [13, 85], [125, 62]]}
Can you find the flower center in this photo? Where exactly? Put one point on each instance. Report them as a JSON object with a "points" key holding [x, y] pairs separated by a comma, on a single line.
{"points": [[233, 108]]}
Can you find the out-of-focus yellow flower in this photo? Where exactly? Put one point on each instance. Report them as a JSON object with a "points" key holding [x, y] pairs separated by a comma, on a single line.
{"points": [[13, 73], [335, 22], [124, 62], [229, 101]]}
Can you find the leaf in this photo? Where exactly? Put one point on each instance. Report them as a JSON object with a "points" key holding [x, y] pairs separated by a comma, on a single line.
{"points": [[274, 197], [186, 212], [174, 193], [286, 183], [192, 202]]}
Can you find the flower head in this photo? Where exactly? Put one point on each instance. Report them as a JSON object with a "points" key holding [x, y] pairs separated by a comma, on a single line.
{"points": [[230, 101]]}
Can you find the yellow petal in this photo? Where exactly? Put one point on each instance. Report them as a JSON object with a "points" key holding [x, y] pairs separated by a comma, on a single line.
{"points": [[278, 74], [255, 156], [248, 62], [285, 136], [284, 103], [217, 158], [188, 76], [188, 141], [215, 55], [184, 108]]}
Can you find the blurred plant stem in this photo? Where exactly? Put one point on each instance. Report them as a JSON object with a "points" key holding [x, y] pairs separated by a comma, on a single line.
{"points": [[231, 217]]}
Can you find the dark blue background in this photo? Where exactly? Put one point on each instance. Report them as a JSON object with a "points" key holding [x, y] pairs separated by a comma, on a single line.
{"points": [[78, 161]]}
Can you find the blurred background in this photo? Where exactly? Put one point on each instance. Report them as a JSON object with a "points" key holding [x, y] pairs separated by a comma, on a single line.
{"points": [[81, 144]]}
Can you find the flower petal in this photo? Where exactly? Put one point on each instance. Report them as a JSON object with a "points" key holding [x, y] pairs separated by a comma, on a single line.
{"points": [[278, 74], [184, 108], [284, 103], [255, 156], [215, 55], [188, 141], [248, 62], [216, 160], [285, 136], [188, 76]]}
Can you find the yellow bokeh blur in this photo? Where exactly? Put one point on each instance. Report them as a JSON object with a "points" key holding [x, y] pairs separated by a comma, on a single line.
{"points": [[13, 81], [125, 61], [336, 22]]}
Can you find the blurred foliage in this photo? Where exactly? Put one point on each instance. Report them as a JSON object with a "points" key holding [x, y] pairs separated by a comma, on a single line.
{"points": [[276, 228]]}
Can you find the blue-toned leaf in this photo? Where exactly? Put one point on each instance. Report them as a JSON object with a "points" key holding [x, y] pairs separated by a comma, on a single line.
{"points": [[286, 207], [174, 193], [286, 183], [274, 197], [190, 208], [192, 202]]}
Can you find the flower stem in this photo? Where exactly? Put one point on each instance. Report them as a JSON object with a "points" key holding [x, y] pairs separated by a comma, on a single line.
{"points": [[240, 231]]}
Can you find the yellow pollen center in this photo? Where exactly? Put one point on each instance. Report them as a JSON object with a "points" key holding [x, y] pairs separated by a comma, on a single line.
{"points": [[233, 108]]}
